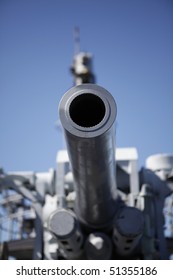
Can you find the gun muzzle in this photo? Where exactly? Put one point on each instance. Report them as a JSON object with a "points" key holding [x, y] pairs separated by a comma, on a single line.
{"points": [[87, 113]]}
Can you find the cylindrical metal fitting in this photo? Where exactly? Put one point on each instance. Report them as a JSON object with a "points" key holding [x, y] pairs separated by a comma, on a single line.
{"points": [[64, 225], [87, 113], [128, 230]]}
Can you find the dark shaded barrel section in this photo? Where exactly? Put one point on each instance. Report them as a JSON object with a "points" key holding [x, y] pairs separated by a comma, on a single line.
{"points": [[87, 113]]}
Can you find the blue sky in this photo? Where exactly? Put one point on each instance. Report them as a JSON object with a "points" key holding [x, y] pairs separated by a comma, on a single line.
{"points": [[132, 44]]}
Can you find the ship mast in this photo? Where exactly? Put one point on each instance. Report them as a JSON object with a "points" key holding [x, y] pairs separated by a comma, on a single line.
{"points": [[82, 68]]}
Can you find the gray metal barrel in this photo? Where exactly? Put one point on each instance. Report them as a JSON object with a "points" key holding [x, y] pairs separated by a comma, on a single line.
{"points": [[87, 113]]}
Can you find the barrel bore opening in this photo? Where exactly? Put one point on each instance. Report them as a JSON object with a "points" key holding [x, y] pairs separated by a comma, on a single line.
{"points": [[87, 110]]}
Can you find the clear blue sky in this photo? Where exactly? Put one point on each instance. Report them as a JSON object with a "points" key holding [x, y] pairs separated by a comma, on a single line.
{"points": [[132, 44]]}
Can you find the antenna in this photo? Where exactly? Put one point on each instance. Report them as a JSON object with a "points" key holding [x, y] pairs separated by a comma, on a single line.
{"points": [[76, 36]]}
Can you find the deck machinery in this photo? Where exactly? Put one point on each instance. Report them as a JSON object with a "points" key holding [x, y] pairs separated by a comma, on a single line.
{"points": [[95, 204]]}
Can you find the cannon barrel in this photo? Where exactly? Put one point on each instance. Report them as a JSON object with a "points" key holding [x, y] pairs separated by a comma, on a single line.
{"points": [[87, 113]]}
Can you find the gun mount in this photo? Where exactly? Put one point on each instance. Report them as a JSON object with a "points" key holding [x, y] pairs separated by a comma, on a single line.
{"points": [[99, 218]]}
